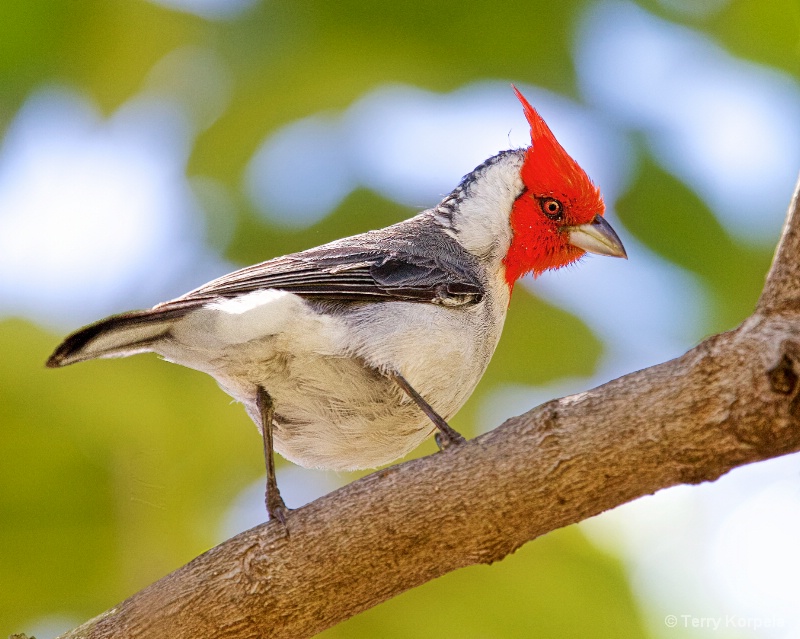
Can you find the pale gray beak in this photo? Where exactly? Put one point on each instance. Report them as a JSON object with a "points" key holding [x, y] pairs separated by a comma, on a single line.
{"points": [[597, 237]]}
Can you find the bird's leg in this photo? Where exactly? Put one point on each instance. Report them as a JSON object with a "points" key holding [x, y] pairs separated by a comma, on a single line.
{"points": [[446, 436], [266, 409]]}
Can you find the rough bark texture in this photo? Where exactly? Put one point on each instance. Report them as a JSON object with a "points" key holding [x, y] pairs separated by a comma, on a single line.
{"points": [[733, 399]]}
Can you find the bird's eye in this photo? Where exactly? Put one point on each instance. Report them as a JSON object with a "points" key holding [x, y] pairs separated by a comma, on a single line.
{"points": [[552, 208]]}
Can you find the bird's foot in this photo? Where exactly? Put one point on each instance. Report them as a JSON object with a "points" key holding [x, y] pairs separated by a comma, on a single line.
{"points": [[449, 438], [276, 508]]}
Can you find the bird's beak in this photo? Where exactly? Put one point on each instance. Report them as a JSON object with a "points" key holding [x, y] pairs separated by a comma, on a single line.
{"points": [[597, 237]]}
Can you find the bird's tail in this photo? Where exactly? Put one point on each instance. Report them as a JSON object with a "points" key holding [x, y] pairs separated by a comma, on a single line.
{"points": [[115, 336]]}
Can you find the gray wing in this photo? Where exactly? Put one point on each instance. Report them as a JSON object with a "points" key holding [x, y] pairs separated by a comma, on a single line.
{"points": [[376, 266], [408, 262]]}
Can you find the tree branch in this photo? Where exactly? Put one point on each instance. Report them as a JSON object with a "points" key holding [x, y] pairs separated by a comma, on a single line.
{"points": [[782, 289], [733, 399]]}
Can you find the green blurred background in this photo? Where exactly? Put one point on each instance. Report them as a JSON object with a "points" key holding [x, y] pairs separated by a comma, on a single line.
{"points": [[114, 473]]}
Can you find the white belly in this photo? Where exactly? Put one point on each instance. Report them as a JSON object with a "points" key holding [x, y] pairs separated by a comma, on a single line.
{"points": [[334, 407]]}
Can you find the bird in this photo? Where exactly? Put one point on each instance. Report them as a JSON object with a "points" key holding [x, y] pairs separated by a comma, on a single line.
{"points": [[348, 355]]}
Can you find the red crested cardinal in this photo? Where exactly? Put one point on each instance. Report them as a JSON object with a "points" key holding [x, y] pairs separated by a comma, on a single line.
{"points": [[349, 355]]}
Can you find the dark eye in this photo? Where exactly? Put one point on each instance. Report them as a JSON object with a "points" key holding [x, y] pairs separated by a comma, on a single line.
{"points": [[552, 208]]}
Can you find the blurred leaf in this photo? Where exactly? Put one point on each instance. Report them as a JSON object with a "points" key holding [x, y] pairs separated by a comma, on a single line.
{"points": [[765, 32], [557, 586], [294, 60], [361, 211], [542, 343], [113, 474], [666, 215], [114, 44], [104, 47], [31, 36]]}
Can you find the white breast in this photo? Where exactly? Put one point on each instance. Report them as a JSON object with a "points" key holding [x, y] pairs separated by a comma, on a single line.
{"points": [[334, 409]]}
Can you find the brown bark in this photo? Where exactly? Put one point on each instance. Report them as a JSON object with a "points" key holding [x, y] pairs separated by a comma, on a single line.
{"points": [[732, 400]]}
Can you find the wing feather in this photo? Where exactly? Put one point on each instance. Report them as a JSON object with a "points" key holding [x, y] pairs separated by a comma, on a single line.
{"points": [[375, 266]]}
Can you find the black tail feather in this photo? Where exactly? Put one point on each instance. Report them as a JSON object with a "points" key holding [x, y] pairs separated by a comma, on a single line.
{"points": [[70, 350]]}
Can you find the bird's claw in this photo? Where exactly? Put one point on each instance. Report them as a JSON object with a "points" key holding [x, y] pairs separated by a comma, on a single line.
{"points": [[448, 440], [277, 509]]}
